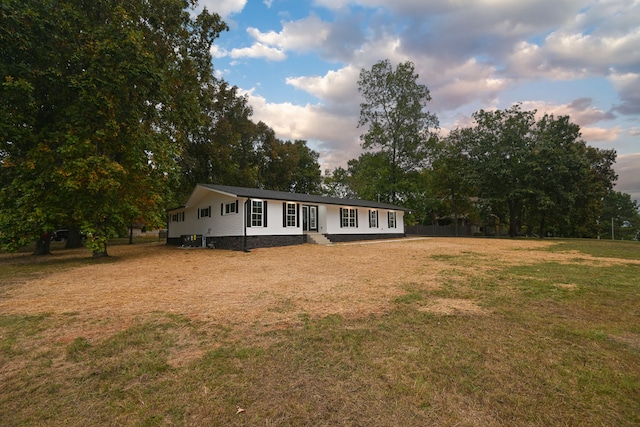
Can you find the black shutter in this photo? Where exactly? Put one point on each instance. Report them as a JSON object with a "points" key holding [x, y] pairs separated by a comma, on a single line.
{"points": [[198, 213], [356, 218], [248, 212], [237, 207], [340, 217], [370, 223], [388, 219], [209, 212], [298, 215], [221, 209], [264, 213], [284, 214]]}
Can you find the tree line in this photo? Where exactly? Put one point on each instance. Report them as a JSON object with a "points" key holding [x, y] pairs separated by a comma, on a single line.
{"points": [[534, 174], [110, 113]]}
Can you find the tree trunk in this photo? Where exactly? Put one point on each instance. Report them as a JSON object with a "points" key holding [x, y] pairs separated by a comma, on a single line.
{"points": [[43, 244], [74, 239], [513, 218], [101, 253]]}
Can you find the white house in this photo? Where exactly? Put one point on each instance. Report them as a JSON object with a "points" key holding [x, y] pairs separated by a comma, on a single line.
{"points": [[221, 216]]}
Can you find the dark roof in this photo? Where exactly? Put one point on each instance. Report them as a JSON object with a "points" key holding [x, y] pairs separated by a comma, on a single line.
{"points": [[256, 193]]}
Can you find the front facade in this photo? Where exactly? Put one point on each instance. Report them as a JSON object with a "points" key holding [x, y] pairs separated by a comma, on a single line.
{"points": [[227, 217]]}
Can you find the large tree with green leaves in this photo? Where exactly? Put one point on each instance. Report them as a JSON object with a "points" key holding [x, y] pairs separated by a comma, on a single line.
{"points": [[289, 166], [398, 124], [532, 172], [499, 156], [97, 100]]}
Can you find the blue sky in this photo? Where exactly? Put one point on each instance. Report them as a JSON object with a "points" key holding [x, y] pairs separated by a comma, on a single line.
{"points": [[298, 61]]}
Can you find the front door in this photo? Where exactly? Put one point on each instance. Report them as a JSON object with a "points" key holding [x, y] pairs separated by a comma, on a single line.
{"points": [[309, 218]]}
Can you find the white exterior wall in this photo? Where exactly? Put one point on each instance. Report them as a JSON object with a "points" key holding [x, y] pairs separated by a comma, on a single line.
{"points": [[274, 221], [323, 223], [179, 228], [333, 221], [218, 225]]}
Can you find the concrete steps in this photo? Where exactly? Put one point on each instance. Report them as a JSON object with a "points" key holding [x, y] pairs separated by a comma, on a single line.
{"points": [[317, 239]]}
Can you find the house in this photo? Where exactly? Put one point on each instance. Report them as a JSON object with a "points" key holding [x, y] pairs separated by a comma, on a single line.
{"points": [[226, 217]]}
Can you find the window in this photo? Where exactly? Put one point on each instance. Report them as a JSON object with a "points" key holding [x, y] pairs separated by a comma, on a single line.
{"points": [[204, 212], [177, 217], [373, 219], [291, 217], [392, 220], [257, 213], [348, 218], [229, 208]]}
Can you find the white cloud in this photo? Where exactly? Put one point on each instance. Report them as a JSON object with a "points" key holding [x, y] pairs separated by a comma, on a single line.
{"points": [[224, 8], [336, 136], [258, 50], [336, 88], [581, 111], [302, 35], [597, 134], [454, 85]]}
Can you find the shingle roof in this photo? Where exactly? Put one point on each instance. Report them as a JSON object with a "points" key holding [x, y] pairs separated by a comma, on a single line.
{"points": [[256, 193]]}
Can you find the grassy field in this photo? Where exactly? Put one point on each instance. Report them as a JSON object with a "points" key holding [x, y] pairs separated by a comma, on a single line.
{"points": [[545, 343]]}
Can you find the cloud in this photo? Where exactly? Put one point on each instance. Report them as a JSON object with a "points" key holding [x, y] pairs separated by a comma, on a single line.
{"points": [[627, 167], [258, 50], [302, 35], [336, 136], [337, 89], [224, 8], [587, 45], [628, 86], [457, 84], [580, 110]]}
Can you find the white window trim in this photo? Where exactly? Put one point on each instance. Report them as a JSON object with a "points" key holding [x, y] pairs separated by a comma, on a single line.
{"points": [[292, 218], [261, 214], [393, 219]]}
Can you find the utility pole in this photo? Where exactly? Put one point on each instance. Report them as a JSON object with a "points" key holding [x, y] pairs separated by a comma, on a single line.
{"points": [[613, 237]]}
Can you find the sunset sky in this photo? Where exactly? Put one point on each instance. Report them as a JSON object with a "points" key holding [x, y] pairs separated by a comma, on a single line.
{"points": [[298, 61]]}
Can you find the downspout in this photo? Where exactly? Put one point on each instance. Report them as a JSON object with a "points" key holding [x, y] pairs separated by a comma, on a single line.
{"points": [[247, 204]]}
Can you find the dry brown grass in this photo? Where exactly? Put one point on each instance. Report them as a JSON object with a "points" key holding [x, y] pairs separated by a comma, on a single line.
{"points": [[267, 286], [382, 333]]}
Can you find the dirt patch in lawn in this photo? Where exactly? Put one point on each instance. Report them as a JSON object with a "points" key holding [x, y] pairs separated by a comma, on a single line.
{"points": [[263, 289]]}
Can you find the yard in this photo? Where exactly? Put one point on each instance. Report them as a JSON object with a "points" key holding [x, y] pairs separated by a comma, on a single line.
{"points": [[471, 332]]}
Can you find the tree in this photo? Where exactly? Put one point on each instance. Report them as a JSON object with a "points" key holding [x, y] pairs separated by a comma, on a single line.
{"points": [[398, 124], [450, 166], [620, 216], [223, 149], [498, 150], [336, 183], [289, 166], [97, 101], [557, 167]]}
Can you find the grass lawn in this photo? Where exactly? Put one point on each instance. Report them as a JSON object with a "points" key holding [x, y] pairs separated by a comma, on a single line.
{"points": [[447, 332]]}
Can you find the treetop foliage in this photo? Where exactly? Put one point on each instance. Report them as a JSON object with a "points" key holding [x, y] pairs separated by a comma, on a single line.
{"points": [[109, 109]]}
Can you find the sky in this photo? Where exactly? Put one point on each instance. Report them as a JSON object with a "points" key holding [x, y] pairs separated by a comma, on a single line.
{"points": [[298, 61]]}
